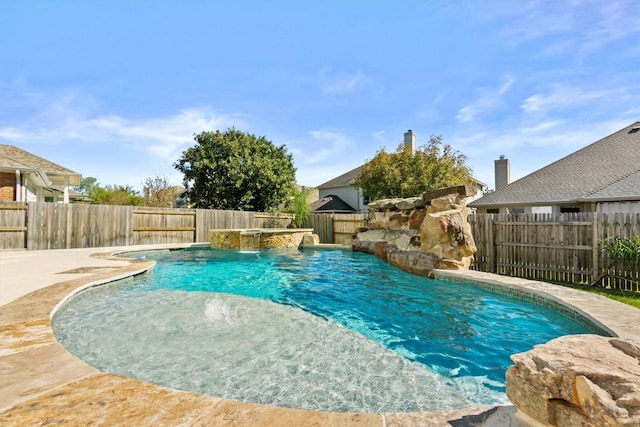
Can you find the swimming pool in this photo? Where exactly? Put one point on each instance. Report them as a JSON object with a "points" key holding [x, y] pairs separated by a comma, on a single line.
{"points": [[326, 330]]}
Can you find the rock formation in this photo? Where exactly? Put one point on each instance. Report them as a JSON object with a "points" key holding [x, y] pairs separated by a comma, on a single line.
{"points": [[578, 380], [419, 234]]}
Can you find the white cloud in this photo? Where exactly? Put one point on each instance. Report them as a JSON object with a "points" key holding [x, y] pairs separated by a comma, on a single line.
{"points": [[113, 148], [74, 117], [12, 134], [541, 127], [612, 23], [529, 147], [325, 154], [568, 28], [323, 145], [565, 96], [489, 99], [166, 136], [341, 84]]}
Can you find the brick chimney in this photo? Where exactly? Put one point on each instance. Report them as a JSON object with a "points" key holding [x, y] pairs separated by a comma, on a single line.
{"points": [[410, 141], [503, 172]]}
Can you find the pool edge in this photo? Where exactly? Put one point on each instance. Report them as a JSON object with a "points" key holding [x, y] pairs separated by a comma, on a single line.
{"points": [[240, 413]]}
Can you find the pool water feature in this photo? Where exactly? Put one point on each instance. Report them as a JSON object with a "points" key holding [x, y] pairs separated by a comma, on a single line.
{"points": [[314, 329]]}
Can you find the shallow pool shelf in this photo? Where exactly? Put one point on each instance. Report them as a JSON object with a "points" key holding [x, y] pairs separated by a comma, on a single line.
{"points": [[259, 238]]}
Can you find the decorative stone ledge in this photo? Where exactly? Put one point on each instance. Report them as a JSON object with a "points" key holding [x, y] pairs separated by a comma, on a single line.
{"points": [[259, 238], [578, 380]]}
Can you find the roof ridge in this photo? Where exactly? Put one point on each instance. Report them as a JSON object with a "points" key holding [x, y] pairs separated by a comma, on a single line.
{"points": [[609, 184]]}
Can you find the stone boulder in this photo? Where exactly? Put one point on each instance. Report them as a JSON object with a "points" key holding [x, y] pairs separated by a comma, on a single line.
{"points": [[383, 204], [446, 232], [401, 239], [415, 262], [578, 380]]}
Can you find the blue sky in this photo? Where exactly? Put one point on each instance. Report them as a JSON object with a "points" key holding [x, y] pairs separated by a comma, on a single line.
{"points": [[117, 89]]}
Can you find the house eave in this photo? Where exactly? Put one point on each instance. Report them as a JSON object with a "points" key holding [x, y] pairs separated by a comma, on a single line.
{"points": [[611, 199], [44, 179]]}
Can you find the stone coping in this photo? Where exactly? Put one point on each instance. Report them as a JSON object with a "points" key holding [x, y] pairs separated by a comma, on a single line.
{"points": [[44, 384]]}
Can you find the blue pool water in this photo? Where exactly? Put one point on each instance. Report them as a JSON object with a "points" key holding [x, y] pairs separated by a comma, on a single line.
{"points": [[328, 330]]}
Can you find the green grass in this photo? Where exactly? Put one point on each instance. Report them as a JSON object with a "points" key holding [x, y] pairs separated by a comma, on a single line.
{"points": [[633, 300], [628, 297]]}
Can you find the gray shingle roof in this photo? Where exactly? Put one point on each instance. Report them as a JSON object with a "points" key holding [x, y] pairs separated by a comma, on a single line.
{"points": [[344, 180], [12, 158], [331, 203], [608, 169]]}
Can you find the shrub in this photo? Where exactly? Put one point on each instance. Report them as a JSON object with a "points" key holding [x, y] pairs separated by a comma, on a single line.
{"points": [[622, 250]]}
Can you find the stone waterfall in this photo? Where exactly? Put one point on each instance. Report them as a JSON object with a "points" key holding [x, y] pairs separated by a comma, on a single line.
{"points": [[420, 234]]}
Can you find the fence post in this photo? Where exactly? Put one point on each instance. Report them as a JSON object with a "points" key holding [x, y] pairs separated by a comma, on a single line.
{"points": [[69, 225], [596, 249]]}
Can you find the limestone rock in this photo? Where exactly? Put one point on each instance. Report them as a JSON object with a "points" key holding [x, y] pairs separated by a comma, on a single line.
{"points": [[446, 232], [410, 203], [366, 246], [416, 218], [578, 380], [415, 262], [460, 190], [383, 204], [310, 240], [399, 238], [377, 220]]}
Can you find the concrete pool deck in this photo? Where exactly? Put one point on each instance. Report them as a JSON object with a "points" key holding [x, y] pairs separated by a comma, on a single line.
{"points": [[43, 384]]}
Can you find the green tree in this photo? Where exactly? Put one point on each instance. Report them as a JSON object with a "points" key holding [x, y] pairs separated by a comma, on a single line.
{"points": [[403, 174], [109, 195], [118, 195], [88, 186], [298, 204], [234, 170], [158, 192]]}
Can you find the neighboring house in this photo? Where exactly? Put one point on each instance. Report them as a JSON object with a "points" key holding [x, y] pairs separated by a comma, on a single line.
{"points": [[25, 177], [343, 193], [602, 177], [343, 187]]}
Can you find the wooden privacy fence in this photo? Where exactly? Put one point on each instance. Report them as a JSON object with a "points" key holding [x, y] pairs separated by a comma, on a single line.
{"points": [[335, 228], [13, 225], [560, 248], [59, 226], [556, 248]]}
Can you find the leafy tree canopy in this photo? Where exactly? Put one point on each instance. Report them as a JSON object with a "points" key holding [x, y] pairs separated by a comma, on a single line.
{"points": [[234, 170], [298, 204], [158, 192], [403, 174], [109, 195]]}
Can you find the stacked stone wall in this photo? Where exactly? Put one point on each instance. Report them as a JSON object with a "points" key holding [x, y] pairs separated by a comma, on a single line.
{"points": [[434, 224]]}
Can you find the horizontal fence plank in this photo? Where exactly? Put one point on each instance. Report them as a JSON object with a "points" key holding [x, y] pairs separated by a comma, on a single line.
{"points": [[12, 229], [19, 207], [164, 229], [527, 223], [145, 212], [545, 246]]}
